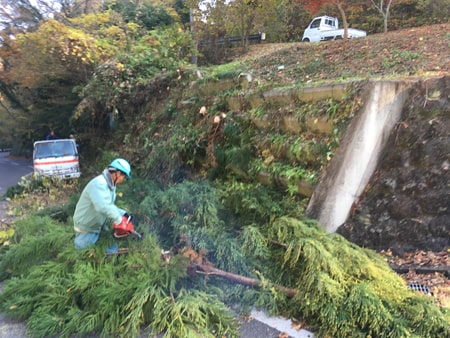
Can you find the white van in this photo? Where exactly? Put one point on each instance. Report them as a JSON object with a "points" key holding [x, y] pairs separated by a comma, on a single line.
{"points": [[56, 158]]}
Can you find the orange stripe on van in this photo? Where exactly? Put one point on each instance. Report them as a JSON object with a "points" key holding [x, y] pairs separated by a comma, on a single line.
{"points": [[55, 162]]}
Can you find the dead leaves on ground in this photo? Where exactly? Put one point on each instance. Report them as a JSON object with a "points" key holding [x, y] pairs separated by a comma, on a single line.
{"points": [[438, 282]]}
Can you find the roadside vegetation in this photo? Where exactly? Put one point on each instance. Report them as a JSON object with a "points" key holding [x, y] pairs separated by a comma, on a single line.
{"points": [[215, 182], [303, 272]]}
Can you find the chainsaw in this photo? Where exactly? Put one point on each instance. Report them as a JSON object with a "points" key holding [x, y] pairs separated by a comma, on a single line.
{"points": [[125, 228]]}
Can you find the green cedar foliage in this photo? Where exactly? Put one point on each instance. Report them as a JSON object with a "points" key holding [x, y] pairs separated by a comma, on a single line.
{"points": [[61, 291], [191, 215], [346, 290], [341, 290], [41, 240]]}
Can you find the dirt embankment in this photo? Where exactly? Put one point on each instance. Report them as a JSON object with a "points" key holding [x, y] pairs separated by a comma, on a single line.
{"points": [[404, 212], [405, 206], [416, 52]]}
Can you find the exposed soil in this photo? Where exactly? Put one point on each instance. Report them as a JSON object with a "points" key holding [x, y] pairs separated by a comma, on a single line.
{"points": [[405, 208]]}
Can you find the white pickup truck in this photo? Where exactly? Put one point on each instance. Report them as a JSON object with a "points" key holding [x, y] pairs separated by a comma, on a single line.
{"points": [[324, 28]]}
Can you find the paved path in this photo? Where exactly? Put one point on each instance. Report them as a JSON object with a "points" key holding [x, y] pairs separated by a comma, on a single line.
{"points": [[11, 328], [11, 170], [253, 328]]}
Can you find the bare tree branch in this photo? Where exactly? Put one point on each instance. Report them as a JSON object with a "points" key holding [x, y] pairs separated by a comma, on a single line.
{"points": [[384, 10]]}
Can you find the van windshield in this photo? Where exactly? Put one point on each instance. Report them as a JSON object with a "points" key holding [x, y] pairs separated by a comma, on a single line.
{"points": [[57, 148]]}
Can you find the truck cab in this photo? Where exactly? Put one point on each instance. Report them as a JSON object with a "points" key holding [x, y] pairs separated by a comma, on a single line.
{"points": [[325, 28], [57, 158], [314, 30]]}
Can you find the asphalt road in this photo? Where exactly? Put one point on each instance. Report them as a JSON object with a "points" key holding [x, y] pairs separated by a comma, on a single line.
{"points": [[250, 328], [11, 171], [258, 326]]}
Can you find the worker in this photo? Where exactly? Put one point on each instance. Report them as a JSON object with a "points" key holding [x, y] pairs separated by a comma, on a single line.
{"points": [[51, 135], [96, 205]]}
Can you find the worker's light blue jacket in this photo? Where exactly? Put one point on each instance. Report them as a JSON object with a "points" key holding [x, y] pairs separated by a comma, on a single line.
{"points": [[96, 205]]}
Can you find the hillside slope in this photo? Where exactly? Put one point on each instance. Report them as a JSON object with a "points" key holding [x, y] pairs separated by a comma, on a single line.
{"points": [[162, 139], [421, 51]]}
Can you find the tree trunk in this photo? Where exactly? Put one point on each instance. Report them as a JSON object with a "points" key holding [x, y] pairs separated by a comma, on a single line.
{"points": [[344, 20]]}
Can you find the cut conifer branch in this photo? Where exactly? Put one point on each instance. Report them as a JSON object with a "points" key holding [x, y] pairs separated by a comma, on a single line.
{"points": [[209, 270]]}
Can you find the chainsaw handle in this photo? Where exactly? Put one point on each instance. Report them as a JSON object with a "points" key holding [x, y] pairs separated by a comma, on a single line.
{"points": [[129, 217]]}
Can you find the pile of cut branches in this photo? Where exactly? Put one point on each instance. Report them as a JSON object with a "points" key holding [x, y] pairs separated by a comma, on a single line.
{"points": [[287, 266]]}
